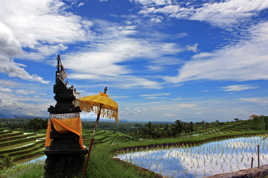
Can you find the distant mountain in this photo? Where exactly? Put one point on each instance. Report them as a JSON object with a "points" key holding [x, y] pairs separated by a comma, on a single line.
{"points": [[9, 116]]}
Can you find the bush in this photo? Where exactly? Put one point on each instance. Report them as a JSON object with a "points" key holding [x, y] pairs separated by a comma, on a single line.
{"points": [[37, 124], [6, 162]]}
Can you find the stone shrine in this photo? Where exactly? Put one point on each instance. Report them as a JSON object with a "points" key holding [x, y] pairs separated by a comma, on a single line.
{"points": [[64, 147]]}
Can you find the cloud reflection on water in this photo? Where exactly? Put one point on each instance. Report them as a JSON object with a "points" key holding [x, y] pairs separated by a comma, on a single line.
{"points": [[204, 160]]}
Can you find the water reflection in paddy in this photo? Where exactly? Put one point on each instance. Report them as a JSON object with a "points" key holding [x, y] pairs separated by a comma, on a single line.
{"points": [[41, 158], [198, 161]]}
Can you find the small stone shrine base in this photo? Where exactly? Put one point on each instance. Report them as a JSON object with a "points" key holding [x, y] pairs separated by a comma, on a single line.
{"points": [[67, 165], [65, 158]]}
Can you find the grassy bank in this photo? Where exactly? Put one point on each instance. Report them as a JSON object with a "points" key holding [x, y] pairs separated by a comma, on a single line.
{"points": [[185, 140], [103, 165], [24, 171], [18, 146]]}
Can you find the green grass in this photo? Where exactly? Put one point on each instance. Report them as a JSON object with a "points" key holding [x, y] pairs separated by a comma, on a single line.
{"points": [[10, 134], [19, 146], [191, 139], [15, 147], [15, 137], [21, 140], [28, 150], [109, 143], [106, 136], [102, 165], [24, 171], [106, 151], [25, 156], [4, 131]]}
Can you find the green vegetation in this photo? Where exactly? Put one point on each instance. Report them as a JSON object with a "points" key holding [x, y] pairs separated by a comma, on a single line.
{"points": [[179, 128], [24, 124], [24, 171], [102, 165], [132, 137], [6, 162], [16, 146]]}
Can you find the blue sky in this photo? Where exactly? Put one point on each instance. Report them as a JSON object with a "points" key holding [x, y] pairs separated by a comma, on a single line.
{"points": [[162, 60]]}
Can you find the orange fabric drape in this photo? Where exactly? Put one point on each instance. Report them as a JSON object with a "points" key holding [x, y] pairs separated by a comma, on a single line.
{"points": [[65, 125]]}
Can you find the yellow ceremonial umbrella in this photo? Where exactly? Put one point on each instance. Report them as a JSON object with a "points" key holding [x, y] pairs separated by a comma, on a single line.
{"points": [[101, 104]]}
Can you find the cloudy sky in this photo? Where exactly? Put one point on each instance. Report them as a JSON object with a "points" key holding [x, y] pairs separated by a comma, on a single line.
{"points": [[162, 60]]}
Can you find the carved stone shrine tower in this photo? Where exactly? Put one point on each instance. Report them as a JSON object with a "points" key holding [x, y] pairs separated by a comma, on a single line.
{"points": [[64, 145]]}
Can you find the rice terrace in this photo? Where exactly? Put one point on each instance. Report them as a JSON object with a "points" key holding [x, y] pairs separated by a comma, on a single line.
{"points": [[134, 89], [210, 148]]}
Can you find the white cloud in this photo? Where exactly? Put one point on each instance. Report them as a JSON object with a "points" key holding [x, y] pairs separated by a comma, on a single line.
{"points": [[157, 19], [122, 81], [155, 68], [202, 55], [191, 110], [14, 105], [25, 92], [244, 61], [25, 99], [5, 90], [9, 48], [162, 63], [155, 95], [81, 4], [257, 100], [193, 48], [8, 83], [152, 2], [186, 105], [41, 51], [222, 13], [83, 76], [33, 22], [119, 97], [43, 27], [180, 35], [170, 10], [135, 82], [239, 87], [114, 45], [102, 61], [13, 69], [229, 12]]}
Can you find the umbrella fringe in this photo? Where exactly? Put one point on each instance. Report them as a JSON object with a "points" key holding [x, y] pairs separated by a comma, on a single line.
{"points": [[106, 111]]}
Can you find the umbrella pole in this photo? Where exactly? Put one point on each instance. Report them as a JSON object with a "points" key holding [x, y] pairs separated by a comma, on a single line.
{"points": [[92, 138]]}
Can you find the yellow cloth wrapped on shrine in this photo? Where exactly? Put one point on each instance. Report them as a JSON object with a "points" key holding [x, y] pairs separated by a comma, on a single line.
{"points": [[65, 125], [93, 102]]}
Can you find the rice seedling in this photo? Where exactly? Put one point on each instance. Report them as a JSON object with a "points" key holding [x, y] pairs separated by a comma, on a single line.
{"points": [[203, 160]]}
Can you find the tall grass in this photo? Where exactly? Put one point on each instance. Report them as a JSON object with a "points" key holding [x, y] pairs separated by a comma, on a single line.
{"points": [[101, 165], [6, 162], [24, 171]]}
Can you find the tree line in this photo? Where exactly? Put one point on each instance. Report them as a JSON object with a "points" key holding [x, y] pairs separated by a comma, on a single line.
{"points": [[149, 129], [152, 130], [25, 124]]}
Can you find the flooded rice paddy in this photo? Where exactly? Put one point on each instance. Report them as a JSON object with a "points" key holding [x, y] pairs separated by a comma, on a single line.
{"points": [[203, 160], [37, 159]]}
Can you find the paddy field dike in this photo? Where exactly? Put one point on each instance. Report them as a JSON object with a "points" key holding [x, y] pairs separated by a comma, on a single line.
{"points": [[20, 146], [232, 142]]}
